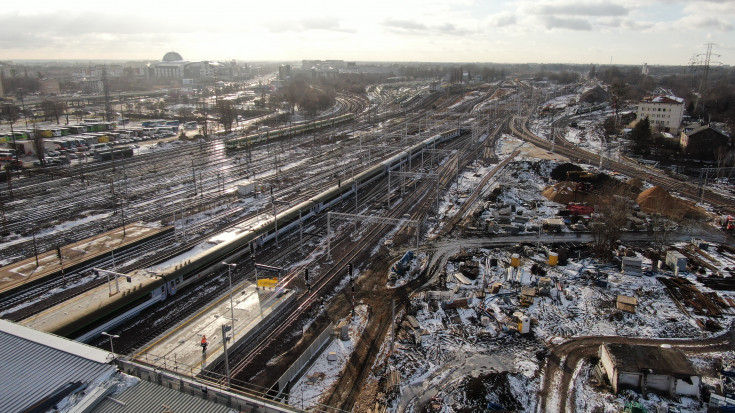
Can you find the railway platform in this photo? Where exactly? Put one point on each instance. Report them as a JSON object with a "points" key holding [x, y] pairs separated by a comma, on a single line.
{"points": [[69, 317], [68, 257], [180, 349]]}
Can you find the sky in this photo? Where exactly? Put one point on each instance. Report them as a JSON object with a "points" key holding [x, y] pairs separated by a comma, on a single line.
{"points": [[666, 32]]}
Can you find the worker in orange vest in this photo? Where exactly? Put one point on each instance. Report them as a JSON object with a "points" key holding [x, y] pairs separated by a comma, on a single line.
{"points": [[204, 343]]}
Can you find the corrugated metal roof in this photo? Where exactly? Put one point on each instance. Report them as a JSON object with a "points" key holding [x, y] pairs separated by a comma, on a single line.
{"points": [[149, 397], [31, 371]]}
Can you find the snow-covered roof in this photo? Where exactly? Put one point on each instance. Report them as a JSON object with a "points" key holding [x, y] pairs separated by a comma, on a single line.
{"points": [[663, 99]]}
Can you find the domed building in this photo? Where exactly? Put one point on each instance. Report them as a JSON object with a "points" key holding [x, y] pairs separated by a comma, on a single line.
{"points": [[171, 66], [172, 57]]}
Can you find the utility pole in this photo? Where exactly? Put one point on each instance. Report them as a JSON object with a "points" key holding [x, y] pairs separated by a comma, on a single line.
{"points": [[224, 349], [23, 106], [106, 92]]}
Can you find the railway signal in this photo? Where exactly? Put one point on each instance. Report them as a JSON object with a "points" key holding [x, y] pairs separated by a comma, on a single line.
{"points": [[349, 271], [252, 250]]}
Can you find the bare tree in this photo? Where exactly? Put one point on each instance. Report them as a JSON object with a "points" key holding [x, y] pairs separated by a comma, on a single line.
{"points": [[203, 109], [226, 113], [723, 156], [53, 109], [185, 113], [39, 146], [607, 225]]}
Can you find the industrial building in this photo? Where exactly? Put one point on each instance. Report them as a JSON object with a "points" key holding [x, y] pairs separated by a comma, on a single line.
{"points": [[658, 369]]}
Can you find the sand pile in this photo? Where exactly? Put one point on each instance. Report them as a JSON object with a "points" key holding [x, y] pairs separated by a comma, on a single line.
{"points": [[656, 200], [563, 193]]}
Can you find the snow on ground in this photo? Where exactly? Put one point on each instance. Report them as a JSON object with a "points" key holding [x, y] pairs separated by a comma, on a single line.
{"points": [[484, 331], [323, 373]]}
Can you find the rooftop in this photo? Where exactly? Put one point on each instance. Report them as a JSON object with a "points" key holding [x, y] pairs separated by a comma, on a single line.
{"points": [[149, 397], [654, 359], [40, 368], [663, 99]]}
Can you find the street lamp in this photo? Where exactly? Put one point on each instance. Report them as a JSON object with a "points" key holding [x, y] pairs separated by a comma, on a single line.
{"points": [[232, 308], [111, 336]]}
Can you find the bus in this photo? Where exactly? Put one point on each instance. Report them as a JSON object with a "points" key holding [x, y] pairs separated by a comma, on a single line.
{"points": [[153, 123]]}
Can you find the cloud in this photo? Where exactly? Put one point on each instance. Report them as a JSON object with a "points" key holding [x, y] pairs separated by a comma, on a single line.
{"points": [[566, 8], [569, 23], [707, 22], [413, 27], [325, 23], [70, 24], [503, 19], [610, 21], [629, 24], [450, 29], [405, 25]]}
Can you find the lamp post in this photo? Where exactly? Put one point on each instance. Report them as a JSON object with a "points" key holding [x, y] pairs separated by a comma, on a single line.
{"points": [[111, 336], [224, 347], [232, 308]]}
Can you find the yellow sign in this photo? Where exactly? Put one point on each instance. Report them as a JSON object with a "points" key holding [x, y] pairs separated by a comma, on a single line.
{"points": [[267, 282]]}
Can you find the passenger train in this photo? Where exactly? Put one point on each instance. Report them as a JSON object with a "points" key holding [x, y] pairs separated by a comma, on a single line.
{"points": [[165, 283], [264, 136]]}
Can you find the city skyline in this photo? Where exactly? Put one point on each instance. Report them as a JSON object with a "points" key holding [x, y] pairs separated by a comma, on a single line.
{"points": [[548, 31]]}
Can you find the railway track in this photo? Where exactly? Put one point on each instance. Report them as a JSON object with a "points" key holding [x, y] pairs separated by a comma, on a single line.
{"points": [[563, 147], [203, 227]]}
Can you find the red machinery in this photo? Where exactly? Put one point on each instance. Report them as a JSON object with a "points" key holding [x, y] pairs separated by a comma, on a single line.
{"points": [[579, 208]]}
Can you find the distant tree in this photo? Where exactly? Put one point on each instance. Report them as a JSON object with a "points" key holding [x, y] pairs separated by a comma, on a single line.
{"points": [[609, 127], [723, 156], [226, 113], [607, 225], [185, 113], [39, 146], [203, 109], [53, 108], [641, 135], [10, 112]]}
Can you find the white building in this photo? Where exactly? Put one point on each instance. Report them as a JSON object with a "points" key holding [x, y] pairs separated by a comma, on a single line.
{"points": [[664, 112]]}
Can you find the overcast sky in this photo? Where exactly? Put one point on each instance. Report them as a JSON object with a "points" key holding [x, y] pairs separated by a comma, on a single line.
{"points": [[666, 32]]}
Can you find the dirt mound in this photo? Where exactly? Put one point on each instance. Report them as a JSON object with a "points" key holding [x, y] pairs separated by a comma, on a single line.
{"points": [[560, 172], [563, 193], [656, 200], [492, 387], [594, 95]]}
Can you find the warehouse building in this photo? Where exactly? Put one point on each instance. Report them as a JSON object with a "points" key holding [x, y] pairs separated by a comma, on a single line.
{"points": [[657, 369]]}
